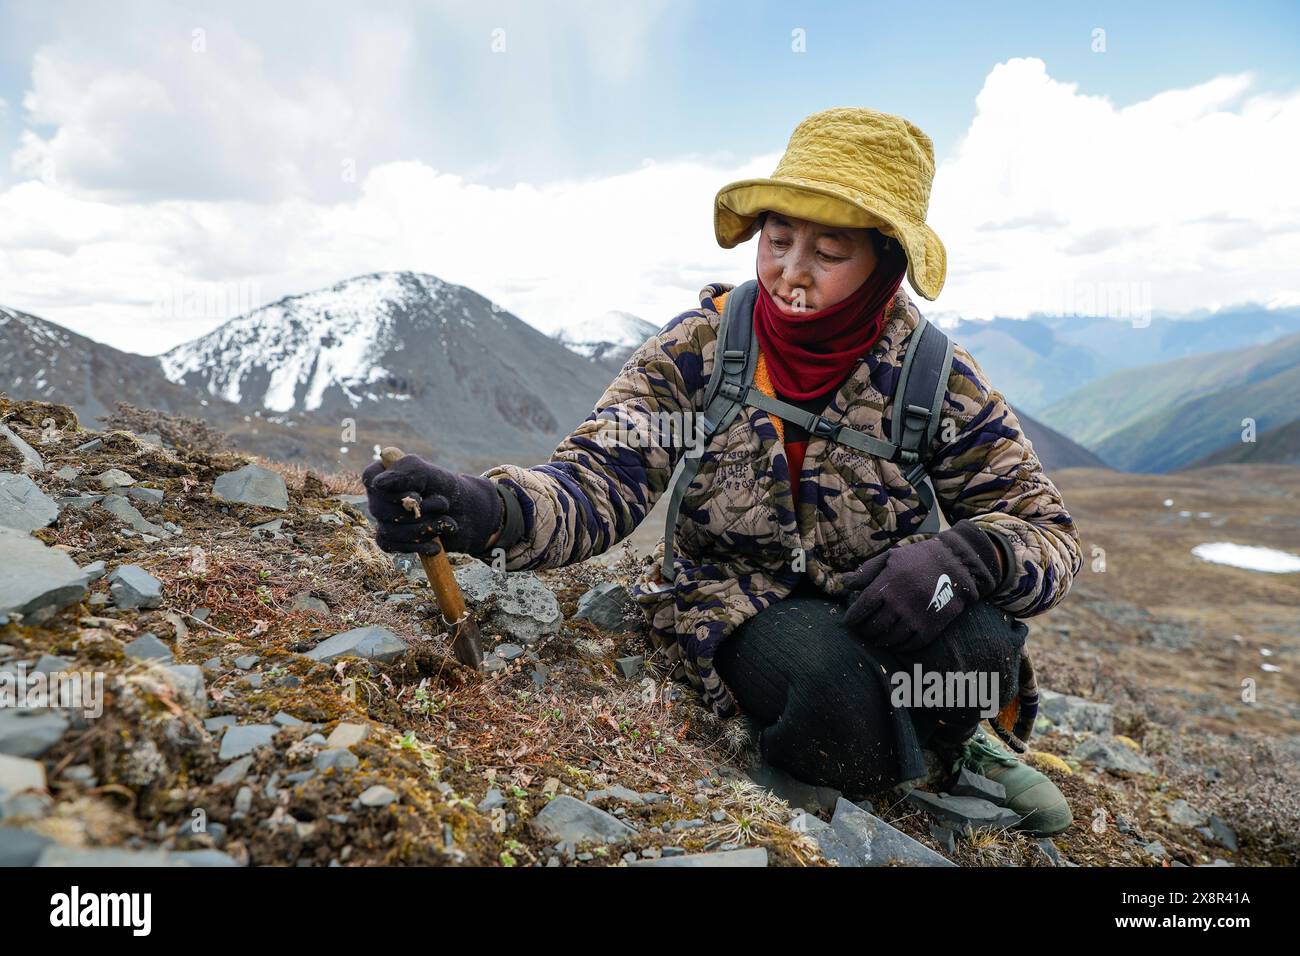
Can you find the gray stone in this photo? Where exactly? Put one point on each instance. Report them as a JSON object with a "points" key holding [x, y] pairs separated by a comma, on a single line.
{"points": [[1156, 849], [347, 735], [1222, 834], [1076, 715], [517, 605], [213, 724], [114, 479], [508, 652], [238, 740], [252, 485], [31, 460], [19, 847], [30, 731], [616, 792], [79, 502], [751, 856], [205, 857], [631, 667], [188, 683], [49, 664], [23, 506], [568, 819], [1185, 815], [964, 814], [93, 571], [147, 647], [126, 512], [134, 587], [377, 796], [18, 774], [492, 800], [946, 839], [244, 800], [372, 643], [71, 856], [68, 473], [1050, 851], [247, 662], [235, 771], [36, 581], [858, 838], [609, 606], [287, 720], [1106, 753], [304, 601], [974, 785], [148, 496], [337, 759], [90, 445]]}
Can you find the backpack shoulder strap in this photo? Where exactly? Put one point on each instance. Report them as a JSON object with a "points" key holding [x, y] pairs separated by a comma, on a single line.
{"points": [[918, 408], [733, 367]]}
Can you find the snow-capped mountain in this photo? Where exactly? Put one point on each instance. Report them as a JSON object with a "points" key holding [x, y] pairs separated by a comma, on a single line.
{"points": [[607, 340], [405, 356]]}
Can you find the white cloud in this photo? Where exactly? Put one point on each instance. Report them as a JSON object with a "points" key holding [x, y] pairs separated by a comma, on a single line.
{"points": [[1053, 193], [1051, 190]]}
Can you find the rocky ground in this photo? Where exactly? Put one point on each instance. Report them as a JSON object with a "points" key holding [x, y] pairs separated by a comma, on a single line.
{"points": [[276, 691]]}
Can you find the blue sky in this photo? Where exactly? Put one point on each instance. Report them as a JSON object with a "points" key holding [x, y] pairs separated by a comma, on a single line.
{"points": [[134, 154]]}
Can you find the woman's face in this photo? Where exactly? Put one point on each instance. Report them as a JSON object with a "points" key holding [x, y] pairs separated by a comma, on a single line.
{"points": [[807, 266]]}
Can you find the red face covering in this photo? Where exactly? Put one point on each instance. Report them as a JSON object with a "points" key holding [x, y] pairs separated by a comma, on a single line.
{"points": [[809, 354]]}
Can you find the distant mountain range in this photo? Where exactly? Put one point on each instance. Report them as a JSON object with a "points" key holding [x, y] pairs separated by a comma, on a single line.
{"points": [[405, 358]]}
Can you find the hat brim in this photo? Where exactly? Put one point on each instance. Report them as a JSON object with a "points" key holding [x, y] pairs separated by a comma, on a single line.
{"points": [[738, 206]]}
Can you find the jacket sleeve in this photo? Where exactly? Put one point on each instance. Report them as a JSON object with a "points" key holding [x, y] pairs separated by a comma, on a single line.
{"points": [[603, 479], [985, 469]]}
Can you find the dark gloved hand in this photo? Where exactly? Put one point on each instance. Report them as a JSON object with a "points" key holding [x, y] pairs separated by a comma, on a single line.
{"points": [[463, 510], [909, 594]]}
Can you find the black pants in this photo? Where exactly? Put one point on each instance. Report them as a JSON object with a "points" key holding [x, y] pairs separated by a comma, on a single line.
{"points": [[820, 695]]}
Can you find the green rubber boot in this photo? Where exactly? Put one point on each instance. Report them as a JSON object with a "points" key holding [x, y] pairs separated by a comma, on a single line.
{"points": [[1031, 794]]}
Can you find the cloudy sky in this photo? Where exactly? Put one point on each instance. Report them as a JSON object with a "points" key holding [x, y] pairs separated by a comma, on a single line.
{"points": [[166, 165]]}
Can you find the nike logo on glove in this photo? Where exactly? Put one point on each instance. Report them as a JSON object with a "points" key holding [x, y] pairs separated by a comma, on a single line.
{"points": [[942, 593]]}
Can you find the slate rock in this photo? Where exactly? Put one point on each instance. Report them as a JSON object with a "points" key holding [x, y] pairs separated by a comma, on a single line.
{"points": [[1185, 815], [858, 838], [19, 774], [1222, 834], [793, 791], [31, 460], [253, 485], [147, 647], [283, 719], [631, 667], [304, 601], [30, 731], [492, 800], [337, 759], [19, 847], [568, 819], [346, 735], [963, 813], [377, 796], [94, 571], [148, 496], [751, 856], [372, 643], [247, 662], [114, 479], [35, 580], [134, 587], [609, 606], [23, 506], [69, 856], [240, 740], [127, 513], [1075, 714], [508, 652], [974, 785], [50, 664], [235, 771], [517, 605], [1106, 753]]}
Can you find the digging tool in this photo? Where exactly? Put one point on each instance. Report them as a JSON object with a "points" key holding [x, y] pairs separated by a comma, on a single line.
{"points": [[466, 642]]}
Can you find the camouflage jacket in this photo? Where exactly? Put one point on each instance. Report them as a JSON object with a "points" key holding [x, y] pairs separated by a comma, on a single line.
{"points": [[742, 541]]}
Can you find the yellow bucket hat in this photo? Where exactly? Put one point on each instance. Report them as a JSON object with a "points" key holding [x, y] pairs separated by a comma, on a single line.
{"points": [[850, 167]]}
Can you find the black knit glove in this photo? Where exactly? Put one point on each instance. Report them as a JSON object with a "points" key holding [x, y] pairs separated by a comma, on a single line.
{"points": [[909, 594], [464, 511]]}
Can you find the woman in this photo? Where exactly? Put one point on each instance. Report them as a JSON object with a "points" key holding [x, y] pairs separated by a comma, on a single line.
{"points": [[803, 588]]}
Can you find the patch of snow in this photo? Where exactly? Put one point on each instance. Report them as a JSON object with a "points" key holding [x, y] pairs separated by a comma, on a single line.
{"points": [[1270, 668], [1169, 502], [1248, 557]]}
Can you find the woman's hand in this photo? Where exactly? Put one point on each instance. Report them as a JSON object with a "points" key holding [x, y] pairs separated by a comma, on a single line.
{"points": [[466, 512], [907, 595]]}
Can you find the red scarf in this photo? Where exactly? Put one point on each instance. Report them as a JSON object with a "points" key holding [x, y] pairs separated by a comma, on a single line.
{"points": [[811, 353]]}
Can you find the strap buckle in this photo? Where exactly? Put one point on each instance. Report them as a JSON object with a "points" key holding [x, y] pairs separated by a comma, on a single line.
{"points": [[733, 360], [916, 417], [825, 428], [732, 390]]}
